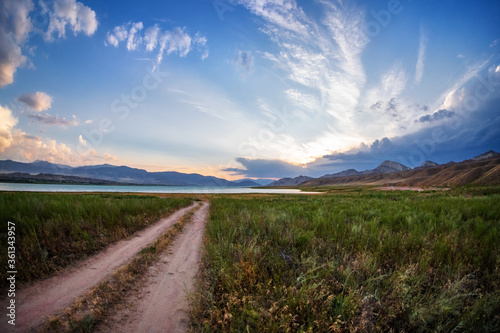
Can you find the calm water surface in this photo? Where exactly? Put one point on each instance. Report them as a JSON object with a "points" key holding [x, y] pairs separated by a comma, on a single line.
{"points": [[137, 189]]}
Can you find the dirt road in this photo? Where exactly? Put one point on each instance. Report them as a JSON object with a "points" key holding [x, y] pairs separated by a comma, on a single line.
{"points": [[52, 295], [161, 306]]}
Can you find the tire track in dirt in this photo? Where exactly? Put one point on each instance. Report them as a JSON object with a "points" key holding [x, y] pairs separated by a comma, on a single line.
{"points": [[44, 298], [161, 305]]}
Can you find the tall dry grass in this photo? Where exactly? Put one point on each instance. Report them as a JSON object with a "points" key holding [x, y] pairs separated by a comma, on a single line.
{"points": [[54, 230], [362, 262]]}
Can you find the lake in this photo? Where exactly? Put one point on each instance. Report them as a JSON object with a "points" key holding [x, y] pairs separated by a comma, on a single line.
{"points": [[18, 187]]}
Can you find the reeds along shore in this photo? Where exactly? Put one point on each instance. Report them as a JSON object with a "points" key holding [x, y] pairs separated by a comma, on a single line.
{"points": [[54, 229], [360, 261]]}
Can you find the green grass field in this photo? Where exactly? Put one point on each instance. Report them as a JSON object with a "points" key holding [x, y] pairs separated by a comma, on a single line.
{"points": [[360, 261], [54, 230], [353, 259]]}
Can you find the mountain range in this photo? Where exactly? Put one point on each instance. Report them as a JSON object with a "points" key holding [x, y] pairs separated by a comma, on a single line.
{"points": [[484, 168], [117, 174], [384, 167], [290, 181]]}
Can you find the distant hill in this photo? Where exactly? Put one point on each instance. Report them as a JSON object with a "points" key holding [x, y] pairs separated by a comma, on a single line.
{"points": [[259, 182], [349, 172], [384, 167], [483, 169], [426, 164], [247, 183], [388, 167], [44, 178], [121, 174], [487, 155], [290, 181]]}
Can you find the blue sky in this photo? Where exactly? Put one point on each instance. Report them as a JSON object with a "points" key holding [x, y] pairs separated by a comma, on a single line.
{"points": [[249, 88]]}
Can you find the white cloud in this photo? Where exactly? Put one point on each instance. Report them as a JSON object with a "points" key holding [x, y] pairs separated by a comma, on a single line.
{"points": [[110, 158], [151, 37], [82, 140], [495, 43], [11, 59], [119, 34], [15, 26], [201, 43], [29, 148], [134, 41], [72, 14], [451, 98], [20, 146], [7, 123], [419, 71], [175, 41], [50, 120], [154, 38], [38, 101]]}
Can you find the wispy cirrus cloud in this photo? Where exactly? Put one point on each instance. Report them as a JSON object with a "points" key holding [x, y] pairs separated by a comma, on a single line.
{"points": [[346, 24], [391, 84], [320, 59], [284, 14], [303, 100], [419, 71], [175, 41], [321, 62], [210, 102]]}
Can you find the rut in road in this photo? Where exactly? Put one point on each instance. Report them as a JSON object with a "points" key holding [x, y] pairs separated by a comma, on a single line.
{"points": [[45, 298], [161, 305]]}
